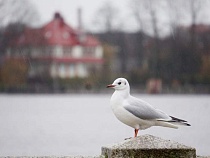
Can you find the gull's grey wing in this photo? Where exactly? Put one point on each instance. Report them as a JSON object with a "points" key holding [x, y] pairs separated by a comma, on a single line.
{"points": [[144, 110]]}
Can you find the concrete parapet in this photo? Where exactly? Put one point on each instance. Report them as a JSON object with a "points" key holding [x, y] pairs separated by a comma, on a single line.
{"points": [[148, 146]]}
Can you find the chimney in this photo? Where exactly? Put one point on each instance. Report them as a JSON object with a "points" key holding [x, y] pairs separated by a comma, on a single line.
{"points": [[79, 18], [57, 15], [59, 19], [80, 26]]}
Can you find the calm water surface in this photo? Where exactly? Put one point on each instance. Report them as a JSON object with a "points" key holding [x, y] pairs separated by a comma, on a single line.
{"points": [[37, 125]]}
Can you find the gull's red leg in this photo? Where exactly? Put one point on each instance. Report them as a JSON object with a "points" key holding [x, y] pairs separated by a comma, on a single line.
{"points": [[136, 132]]}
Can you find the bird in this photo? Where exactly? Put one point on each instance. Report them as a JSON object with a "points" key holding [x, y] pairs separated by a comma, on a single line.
{"points": [[137, 113]]}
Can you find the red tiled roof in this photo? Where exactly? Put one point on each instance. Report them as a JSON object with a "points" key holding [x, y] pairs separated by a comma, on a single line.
{"points": [[90, 41], [56, 32], [30, 37]]}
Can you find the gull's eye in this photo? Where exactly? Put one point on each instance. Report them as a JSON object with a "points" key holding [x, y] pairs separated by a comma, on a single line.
{"points": [[119, 83]]}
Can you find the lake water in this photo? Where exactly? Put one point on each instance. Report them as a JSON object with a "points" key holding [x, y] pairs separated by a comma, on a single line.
{"points": [[70, 124]]}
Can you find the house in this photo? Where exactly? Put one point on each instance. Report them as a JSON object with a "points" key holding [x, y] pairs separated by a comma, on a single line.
{"points": [[57, 50]]}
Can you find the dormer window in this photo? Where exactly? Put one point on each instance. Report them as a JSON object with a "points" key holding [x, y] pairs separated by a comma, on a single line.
{"points": [[48, 34], [65, 35]]}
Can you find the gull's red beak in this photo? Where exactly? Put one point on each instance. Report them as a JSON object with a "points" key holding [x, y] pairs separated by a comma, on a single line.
{"points": [[110, 86]]}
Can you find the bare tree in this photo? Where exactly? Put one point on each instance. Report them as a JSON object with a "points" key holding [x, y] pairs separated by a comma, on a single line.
{"points": [[139, 12], [175, 13], [147, 14], [185, 57], [195, 7], [14, 16], [21, 11], [107, 17]]}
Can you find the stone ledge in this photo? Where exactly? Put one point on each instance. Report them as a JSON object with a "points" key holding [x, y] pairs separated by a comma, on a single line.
{"points": [[147, 146]]}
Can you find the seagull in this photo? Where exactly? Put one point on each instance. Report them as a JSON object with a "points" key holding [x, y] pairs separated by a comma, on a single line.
{"points": [[137, 113]]}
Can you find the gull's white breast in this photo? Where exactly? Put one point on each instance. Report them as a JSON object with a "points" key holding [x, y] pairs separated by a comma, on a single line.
{"points": [[125, 116]]}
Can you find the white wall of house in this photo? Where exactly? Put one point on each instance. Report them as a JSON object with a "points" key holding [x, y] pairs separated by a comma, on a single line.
{"points": [[99, 52], [53, 70], [67, 52], [77, 52], [58, 51], [82, 70], [69, 70], [62, 71]]}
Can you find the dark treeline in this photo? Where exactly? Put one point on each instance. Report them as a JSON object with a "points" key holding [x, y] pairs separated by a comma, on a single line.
{"points": [[182, 57]]}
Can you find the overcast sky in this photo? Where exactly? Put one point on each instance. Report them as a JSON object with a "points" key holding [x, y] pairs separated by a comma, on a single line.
{"points": [[68, 9]]}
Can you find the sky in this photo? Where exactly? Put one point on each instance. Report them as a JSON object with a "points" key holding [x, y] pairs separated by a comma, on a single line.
{"points": [[68, 9]]}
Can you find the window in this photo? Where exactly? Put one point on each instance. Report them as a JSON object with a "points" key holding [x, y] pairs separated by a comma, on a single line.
{"points": [[62, 71], [71, 70]]}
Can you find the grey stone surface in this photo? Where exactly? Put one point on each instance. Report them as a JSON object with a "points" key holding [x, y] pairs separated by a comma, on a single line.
{"points": [[148, 146]]}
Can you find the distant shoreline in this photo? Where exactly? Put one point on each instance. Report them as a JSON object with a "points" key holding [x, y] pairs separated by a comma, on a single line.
{"points": [[140, 89]]}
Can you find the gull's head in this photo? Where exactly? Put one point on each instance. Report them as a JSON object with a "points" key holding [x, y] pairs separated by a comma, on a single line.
{"points": [[119, 84]]}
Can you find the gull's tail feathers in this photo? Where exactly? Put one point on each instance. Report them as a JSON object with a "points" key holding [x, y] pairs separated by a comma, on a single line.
{"points": [[172, 123], [178, 121], [181, 123]]}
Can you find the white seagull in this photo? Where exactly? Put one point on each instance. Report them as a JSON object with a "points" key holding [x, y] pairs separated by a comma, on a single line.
{"points": [[137, 113]]}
